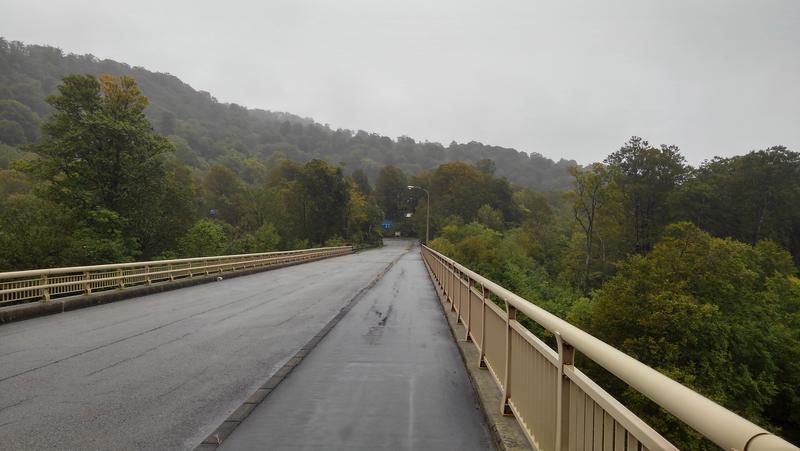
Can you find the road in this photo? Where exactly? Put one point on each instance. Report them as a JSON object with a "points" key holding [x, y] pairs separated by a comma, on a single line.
{"points": [[162, 371], [388, 376]]}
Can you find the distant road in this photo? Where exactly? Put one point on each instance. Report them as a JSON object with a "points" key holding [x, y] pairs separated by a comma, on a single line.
{"points": [[162, 371]]}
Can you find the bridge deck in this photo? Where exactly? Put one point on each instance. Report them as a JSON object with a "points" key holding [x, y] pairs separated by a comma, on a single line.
{"points": [[163, 371], [388, 376]]}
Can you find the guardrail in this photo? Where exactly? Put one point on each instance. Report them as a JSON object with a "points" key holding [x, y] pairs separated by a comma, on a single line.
{"points": [[557, 405], [18, 287]]}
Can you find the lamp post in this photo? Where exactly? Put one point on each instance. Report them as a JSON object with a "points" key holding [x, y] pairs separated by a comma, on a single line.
{"points": [[427, 212]]}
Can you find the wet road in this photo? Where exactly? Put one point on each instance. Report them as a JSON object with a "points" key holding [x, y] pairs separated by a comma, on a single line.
{"points": [[162, 371], [388, 376]]}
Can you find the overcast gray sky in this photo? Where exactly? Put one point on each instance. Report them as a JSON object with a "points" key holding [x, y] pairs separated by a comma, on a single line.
{"points": [[566, 79]]}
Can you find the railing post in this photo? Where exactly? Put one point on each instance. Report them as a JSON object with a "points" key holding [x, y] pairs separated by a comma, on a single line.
{"points": [[46, 289], [511, 315], [566, 356], [120, 279], [147, 275], [459, 295], [482, 348], [450, 294], [87, 283], [469, 308], [171, 275]]}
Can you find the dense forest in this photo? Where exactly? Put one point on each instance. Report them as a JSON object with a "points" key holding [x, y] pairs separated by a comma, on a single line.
{"points": [[693, 271], [205, 131]]}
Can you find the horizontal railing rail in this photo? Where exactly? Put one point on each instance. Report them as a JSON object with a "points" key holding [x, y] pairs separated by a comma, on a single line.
{"points": [[18, 287], [557, 405]]}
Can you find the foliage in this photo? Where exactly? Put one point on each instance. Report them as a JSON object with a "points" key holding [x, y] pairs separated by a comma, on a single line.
{"points": [[100, 159], [390, 192], [596, 208], [30, 232], [215, 132], [703, 310], [267, 238], [646, 176], [748, 197], [204, 238]]}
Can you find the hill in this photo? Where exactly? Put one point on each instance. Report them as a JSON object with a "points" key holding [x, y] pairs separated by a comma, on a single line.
{"points": [[206, 130]]}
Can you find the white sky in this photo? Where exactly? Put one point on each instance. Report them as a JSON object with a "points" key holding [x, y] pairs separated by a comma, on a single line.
{"points": [[566, 79]]}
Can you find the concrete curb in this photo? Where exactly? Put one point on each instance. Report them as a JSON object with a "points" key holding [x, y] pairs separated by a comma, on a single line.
{"points": [[506, 432], [61, 305], [224, 430]]}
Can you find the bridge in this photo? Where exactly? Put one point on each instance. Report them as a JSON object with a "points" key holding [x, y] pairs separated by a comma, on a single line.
{"points": [[393, 348]]}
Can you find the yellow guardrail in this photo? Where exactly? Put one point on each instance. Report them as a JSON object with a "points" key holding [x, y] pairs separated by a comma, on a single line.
{"points": [[18, 287], [557, 405]]}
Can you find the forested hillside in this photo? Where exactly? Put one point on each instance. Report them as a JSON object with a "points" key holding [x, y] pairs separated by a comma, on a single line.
{"points": [[207, 131]]}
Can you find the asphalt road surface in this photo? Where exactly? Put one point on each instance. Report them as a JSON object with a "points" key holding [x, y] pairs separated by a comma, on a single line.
{"points": [[163, 371], [388, 376]]}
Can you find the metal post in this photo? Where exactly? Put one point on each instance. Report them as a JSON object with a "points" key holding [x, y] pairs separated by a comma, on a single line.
{"points": [[453, 289], [482, 348], [469, 308], [87, 283], [566, 356], [46, 289], [511, 315], [460, 296], [120, 279]]}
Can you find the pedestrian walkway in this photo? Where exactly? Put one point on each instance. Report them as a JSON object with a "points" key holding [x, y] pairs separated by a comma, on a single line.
{"points": [[388, 376]]}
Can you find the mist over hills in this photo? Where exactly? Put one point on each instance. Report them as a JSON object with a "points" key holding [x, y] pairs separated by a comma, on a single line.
{"points": [[206, 130]]}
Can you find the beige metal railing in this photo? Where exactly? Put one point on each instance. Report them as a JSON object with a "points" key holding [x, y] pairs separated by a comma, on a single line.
{"points": [[557, 405], [42, 284]]}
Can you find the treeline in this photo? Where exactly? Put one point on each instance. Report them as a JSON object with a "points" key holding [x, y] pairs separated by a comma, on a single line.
{"points": [[693, 271], [102, 187], [206, 132]]}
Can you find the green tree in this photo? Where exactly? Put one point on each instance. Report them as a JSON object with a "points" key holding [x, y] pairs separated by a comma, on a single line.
{"points": [[225, 193], [391, 191], [646, 176], [100, 154], [490, 218], [703, 311], [748, 197], [19, 117], [31, 232], [172, 212], [362, 182], [486, 165], [363, 217], [205, 238], [316, 203], [267, 238], [594, 207]]}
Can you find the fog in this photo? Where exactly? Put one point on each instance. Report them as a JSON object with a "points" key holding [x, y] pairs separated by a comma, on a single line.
{"points": [[568, 80]]}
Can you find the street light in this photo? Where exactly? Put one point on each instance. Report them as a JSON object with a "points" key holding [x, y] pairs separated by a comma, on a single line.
{"points": [[427, 212]]}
